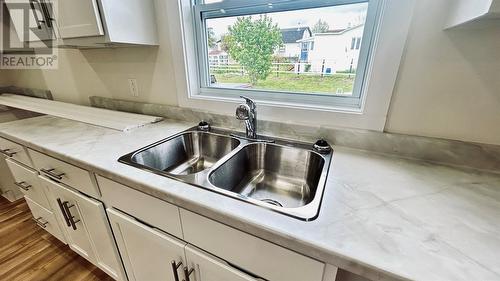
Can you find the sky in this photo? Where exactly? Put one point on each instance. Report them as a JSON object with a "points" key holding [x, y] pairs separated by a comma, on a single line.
{"points": [[337, 17]]}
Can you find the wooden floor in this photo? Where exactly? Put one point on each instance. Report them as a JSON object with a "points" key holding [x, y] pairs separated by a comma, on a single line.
{"points": [[28, 252]]}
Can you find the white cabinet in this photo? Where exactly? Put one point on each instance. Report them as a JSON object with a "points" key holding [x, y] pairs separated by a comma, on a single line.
{"points": [[45, 219], [209, 268], [31, 19], [85, 23], [7, 187], [140, 224], [150, 254], [86, 226], [147, 253], [15, 151], [63, 172], [150, 210], [27, 181], [79, 18], [463, 12], [253, 254]]}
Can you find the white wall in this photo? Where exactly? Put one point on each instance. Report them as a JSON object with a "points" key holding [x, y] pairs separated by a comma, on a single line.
{"points": [[449, 81], [447, 87], [105, 73], [4, 77]]}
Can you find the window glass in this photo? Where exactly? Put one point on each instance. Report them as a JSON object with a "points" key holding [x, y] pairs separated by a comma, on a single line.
{"points": [[358, 43], [285, 50]]}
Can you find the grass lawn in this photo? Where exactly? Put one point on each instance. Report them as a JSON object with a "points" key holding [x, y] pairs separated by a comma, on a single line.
{"points": [[296, 83]]}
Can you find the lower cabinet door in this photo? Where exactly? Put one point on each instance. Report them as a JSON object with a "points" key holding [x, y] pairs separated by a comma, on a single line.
{"points": [[147, 253], [205, 267], [87, 229]]}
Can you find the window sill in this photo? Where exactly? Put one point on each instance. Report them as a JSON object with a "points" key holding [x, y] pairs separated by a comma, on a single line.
{"points": [[234, 97]]}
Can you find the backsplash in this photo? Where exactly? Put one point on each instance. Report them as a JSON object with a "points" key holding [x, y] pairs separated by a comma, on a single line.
{"points": [[451, 152], [37, 93]]}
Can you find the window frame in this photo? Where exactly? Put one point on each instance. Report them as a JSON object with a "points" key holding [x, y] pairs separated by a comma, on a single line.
{"points": [[328, 101]]}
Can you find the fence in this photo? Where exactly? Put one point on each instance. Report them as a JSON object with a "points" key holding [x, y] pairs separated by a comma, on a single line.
{"points": [[322, 67]]}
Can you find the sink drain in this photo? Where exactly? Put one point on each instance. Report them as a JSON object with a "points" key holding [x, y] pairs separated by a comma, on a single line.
{"points": [[272, 202]]}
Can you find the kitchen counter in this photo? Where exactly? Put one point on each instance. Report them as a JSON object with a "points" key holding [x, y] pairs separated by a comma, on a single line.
{"points": [[382, 217]]}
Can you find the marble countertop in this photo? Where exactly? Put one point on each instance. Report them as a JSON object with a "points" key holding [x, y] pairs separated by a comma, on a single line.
{"points": [[383, 217]]}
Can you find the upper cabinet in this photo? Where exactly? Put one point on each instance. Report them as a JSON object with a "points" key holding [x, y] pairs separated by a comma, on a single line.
{"points": [[467, 11], [84, 23], [78, 18]]}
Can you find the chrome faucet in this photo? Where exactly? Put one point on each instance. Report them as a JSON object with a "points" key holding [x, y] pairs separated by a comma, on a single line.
{"points": [[248, 112]]}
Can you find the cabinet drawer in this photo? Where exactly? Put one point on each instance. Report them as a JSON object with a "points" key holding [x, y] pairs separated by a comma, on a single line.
{"points": [[66, 173], [7, 188], [45, 219], [27, 181], [255, 255], [148, 209], [15, 151]]}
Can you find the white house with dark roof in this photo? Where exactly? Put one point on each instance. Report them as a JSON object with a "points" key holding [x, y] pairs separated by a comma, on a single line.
{"points": [[334, 50], [290, 48]]}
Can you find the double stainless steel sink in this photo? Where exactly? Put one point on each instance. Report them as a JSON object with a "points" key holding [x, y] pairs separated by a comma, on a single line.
{"points": [[284, 176]]}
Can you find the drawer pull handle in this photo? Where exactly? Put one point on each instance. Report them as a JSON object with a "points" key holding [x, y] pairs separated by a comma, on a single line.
{"points": [[175, 267], [187, 273], [63, 211], [23, 185], [39, 222], [8, 152], [52, 173], [71, 218]]}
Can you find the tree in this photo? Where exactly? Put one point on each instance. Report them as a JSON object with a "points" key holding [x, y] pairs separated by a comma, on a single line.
{"points": [[320, 27], [223, 43], [252, 44], [211, 38]]}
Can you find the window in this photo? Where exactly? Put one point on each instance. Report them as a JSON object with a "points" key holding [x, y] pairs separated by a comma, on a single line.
{"points": [[256, 63], [358, 43]]}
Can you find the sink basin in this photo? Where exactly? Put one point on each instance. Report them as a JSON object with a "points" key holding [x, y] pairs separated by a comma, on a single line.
{"points": [[185, 154], [282, 176]]}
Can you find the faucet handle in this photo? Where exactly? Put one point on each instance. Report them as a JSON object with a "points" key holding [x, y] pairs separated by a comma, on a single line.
{"points": [[243, 112], [249, 102]]}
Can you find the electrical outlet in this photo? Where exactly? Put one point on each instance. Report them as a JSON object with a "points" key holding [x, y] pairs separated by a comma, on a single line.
{"points": [[134, 90]]}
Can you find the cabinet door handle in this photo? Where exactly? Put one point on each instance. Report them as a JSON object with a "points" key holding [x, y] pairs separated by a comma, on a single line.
{"points": [[8, 152], [71, 218], [175, 267], [23, 185], [187, 273], [39, 223], [46, 13], [52, 173], [63, 211]]}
